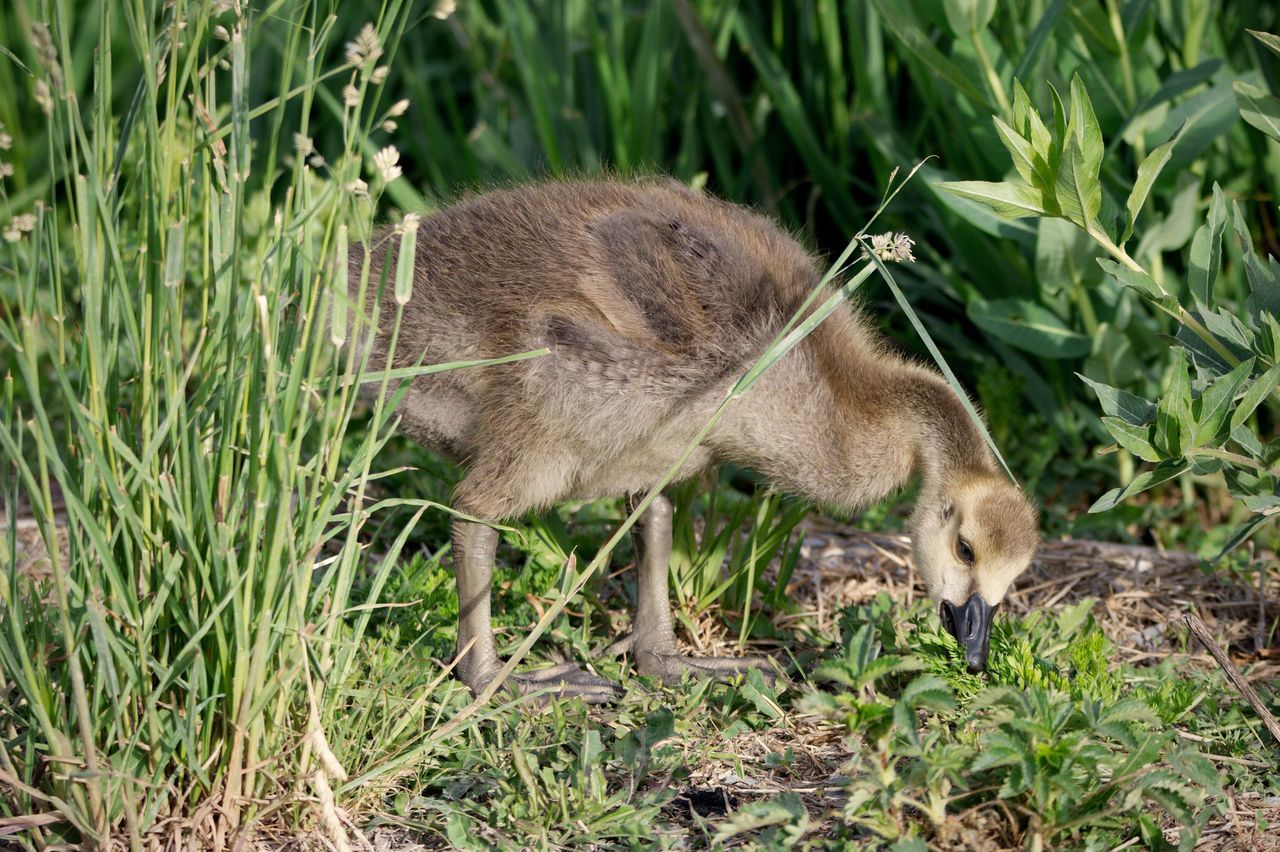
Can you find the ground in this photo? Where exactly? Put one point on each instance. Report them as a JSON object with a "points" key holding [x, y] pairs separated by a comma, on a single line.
{"points": [[1140, 594]]}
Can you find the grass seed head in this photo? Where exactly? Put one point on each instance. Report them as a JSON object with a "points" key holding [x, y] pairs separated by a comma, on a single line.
{"points": [[365, 47], [892, 247], [19, 225], [385, 164]]}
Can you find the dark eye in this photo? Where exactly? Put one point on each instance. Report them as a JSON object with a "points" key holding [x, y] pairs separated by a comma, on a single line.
{"points": [[964, 551]]}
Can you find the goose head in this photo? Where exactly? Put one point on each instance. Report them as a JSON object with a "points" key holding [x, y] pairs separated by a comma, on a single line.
{"points": [[973, 537]]}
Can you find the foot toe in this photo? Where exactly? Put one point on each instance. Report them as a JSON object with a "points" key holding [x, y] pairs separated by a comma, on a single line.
{"points": [[568, 681], [670, 668], [621, 646]]}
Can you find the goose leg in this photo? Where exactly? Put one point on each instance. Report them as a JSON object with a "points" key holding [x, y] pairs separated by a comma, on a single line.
{"points": [[652, 640], [474, 549]]}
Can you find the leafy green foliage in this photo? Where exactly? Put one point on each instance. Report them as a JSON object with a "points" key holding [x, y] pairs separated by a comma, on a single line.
{"points": [[1198, 424], [722, 542], [1055, 734], [778, 823]]}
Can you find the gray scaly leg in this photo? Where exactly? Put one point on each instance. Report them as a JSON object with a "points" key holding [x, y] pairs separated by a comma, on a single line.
{"points": [[474, 549], [652, 640]]}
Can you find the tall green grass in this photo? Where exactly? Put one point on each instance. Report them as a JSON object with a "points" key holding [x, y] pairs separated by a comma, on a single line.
{"points": [[173, 376]]}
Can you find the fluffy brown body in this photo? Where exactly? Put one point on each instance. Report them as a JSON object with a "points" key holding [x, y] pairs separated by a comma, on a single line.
{"points": [[653, 299]]}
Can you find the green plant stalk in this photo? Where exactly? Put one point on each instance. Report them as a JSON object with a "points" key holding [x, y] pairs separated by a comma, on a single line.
{"points": [[994, 85], [1126, 67], [1181, 314], [264, 434]]}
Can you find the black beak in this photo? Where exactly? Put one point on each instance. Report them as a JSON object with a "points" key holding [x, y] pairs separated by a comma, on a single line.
{"points": [[970, 623]]}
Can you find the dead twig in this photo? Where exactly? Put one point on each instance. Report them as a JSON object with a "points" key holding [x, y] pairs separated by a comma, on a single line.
{"points": [[1233, 674], [1260, 632]]}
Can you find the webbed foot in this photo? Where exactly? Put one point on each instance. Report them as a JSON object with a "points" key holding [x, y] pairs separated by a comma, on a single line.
{"points": [[563, 681], [669, 667]]}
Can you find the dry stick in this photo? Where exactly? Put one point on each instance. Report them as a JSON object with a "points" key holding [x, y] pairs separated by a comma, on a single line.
{"points": [[1260, 631], [1233, 674]]}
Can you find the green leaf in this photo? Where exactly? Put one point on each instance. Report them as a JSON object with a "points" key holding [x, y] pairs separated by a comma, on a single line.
{"points": [[1084, 126], [980, 216], [1203, 117], [1174, 85], [1030, 326], [1059, 134], [1064, 257], [1135, 439], [1264, 287], [1259, 108], [928, 691], [1021, 109], [1031, 168], [1253, 397], [1128, 407], [1263, 301], [1248, 440], [882, 667], [1042, 141], [1202, 355], [1272, 42], [1073, 616], [1175, 797], [967, 17], [1008, 199], [1206, 250], [1077, 190], [1129, 710], [1174, 423], [1215, 403], [762, 695], [1135, 279], [1227, 327], [1148, 171], [1036, 41], [903, 26], [1263, 504], [1162, 472], [786, 813], [1268, 339]]}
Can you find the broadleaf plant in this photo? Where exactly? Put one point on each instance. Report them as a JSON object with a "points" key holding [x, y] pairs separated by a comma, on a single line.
{"points": [[1225, 360], [1057, 737]]}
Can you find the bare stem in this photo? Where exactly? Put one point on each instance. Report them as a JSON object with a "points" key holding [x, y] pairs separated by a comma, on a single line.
{"points": [[1234, 458], [993, 79], [1180, 313]]}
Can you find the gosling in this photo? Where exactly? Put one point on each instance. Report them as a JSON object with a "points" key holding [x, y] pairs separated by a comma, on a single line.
{"points": [[652, 300]]}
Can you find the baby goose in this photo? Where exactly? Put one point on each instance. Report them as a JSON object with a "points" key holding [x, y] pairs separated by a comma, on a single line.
{"points": [[652, 300]]}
